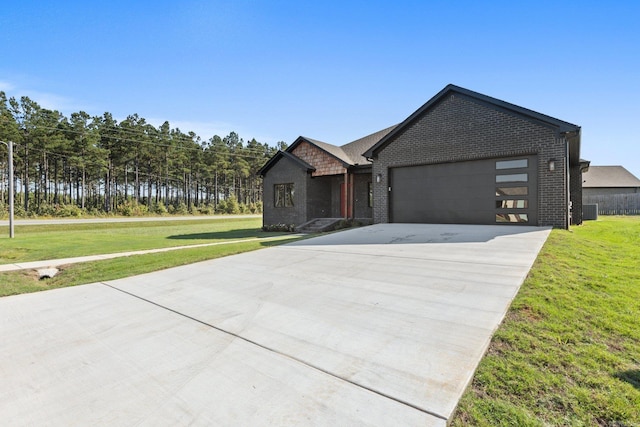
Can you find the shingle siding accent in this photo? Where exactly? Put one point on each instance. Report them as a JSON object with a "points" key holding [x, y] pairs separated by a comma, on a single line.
{"points": [[324, 163], [460, 128]]}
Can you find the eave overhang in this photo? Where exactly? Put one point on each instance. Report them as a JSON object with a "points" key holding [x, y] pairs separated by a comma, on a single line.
{"points": [[279, 155]]}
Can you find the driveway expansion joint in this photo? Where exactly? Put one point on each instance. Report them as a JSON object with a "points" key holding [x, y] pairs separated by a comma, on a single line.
{"points": [[272, 350]]}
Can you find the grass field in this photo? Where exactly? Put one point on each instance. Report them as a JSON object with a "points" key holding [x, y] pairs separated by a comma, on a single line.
{"points": [[568, 351], [42, 242]]}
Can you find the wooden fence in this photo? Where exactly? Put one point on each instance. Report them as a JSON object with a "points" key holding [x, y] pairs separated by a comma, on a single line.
{"points": [[615, 204]]}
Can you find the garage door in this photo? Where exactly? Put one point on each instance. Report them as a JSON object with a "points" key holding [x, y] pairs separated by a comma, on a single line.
{"points": [[492, 191]]}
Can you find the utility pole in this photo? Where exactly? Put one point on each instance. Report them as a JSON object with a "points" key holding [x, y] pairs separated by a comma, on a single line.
{"points": [[10, 150]]}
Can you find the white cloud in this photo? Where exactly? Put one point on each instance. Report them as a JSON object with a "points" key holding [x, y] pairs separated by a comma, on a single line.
{"points": [[6, 86], [48, 100], [51, 101]]}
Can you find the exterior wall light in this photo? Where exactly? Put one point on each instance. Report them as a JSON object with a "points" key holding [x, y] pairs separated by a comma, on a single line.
{"points": [[552, 165], [378, 178]]}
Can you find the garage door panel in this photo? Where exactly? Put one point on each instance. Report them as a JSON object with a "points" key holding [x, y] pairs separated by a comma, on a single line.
{"points": [[462, 192]]}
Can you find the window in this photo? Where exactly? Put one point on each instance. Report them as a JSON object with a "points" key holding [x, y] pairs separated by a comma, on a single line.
{"points": [[370, 195], [283, 194], [512, 164], [512, 217], [514, 177], [512, 204], [512, 191], [512, 200]]}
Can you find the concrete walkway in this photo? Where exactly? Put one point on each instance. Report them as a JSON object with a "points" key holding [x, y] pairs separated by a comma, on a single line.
{"points": [[382, 325], [33, 265]]}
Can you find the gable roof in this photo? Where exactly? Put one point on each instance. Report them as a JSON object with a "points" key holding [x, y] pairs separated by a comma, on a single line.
{"points": [[331, 149], [609, 176], [280, 154], [349, 154], [355, 149], [572, 131]]}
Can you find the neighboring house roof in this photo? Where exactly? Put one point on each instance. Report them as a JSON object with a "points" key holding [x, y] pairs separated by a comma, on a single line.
{"points": [[571, 131], [609, 177], [280, 154]]}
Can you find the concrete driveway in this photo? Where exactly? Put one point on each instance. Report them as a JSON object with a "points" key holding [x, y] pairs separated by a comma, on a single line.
{"points": [[382, 325]]}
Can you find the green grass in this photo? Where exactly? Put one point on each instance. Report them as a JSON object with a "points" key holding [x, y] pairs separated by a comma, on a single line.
{"points": [[25, 281], [42, 242], [568, 351]]}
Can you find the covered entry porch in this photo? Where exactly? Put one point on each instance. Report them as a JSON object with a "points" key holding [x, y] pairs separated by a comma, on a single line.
{"points": [[344, 196]]}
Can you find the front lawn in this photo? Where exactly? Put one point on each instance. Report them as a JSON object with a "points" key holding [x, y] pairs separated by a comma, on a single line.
{"points": [[44, 242], [568, 351], [41, 242]]}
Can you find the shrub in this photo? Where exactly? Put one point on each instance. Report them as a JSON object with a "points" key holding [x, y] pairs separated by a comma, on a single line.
{"points": [[131, 208], [279, 227], [232, 206], [207, 210], [221, 207], [158, 208], [68, 211], [178, 209]]}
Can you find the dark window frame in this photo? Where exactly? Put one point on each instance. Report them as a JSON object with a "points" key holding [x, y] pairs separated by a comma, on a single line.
{"points": [[512, 204], [283, 195], [512, 164]]}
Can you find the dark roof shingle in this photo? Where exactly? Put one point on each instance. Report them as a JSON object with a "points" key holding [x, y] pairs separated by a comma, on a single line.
{"points": [[608, 176], [355, 149]]}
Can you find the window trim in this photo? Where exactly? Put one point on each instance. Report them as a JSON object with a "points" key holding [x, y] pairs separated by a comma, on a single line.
{"points": [[283, 195], [512, 164], [512, 177]]}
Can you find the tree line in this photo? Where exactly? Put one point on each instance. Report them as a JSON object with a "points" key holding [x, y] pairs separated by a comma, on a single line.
{"points": [[66, 166]]}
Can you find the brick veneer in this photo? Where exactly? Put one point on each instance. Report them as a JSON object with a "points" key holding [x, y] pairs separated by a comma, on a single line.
{"points": [[462, 128], [576, 194], [284, 172]]}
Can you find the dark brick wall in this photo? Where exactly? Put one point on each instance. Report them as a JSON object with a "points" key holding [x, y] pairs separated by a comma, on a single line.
{"points": [[461, 128], [319, 197], [283, 172], [336, 183], [576, 194], [361, 196]]}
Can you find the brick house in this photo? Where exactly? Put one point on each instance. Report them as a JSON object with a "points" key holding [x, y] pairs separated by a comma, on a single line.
{"points": [[609, 180], [462, 157]]}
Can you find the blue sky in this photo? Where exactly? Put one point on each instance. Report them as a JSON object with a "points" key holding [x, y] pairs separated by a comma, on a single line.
{"points": [[331, 70]]}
